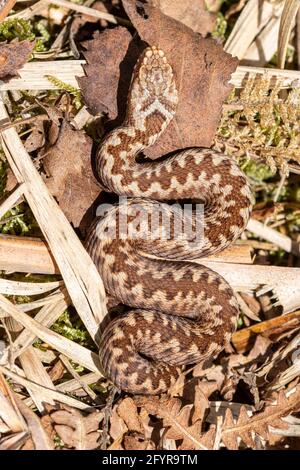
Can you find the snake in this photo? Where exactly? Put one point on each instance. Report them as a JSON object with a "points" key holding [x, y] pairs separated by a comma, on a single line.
{"points": [[179, 312]]}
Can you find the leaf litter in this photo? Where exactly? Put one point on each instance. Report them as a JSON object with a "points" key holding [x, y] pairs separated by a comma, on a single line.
{"points": [[237, 401]]}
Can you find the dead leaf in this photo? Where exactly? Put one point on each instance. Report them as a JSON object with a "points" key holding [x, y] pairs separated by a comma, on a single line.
{"points": [[201, 67], [246, 428], [117, 426], [176, 421], [36, 138], [71, 179], [133, 443], [79, 29], [75, 429], [202, 70], [127, 410], [11, 180], [110, 62], [13, 56], [192, 13], [39, 437], [203, 391]]}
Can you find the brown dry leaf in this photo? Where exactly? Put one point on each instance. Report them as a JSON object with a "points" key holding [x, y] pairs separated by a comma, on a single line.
{"points": [[201, 67], [176, 419], [246, 427], [75, 429], [36, 138], [192, 13], [133, 443], [203, 391], [13, 56], [79, 28], [71, 181], [117, 426], [40, 438], [202, 70], [11, 180], [110, 62], [127, 410]]}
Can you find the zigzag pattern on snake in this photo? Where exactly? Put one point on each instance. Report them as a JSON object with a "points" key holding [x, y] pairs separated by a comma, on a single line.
{"points": [[182, 312]]}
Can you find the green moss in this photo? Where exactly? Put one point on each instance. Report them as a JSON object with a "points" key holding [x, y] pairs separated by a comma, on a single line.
{"points": [[73, 91], [256, 170], [21, 29], [72, 328], [220, 27], [265, 124], [16, 28], [3, 168]]}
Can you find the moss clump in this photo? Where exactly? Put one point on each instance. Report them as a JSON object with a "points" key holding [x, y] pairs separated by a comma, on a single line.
{"points": [[265, 123], [21, 29], [73, 91], [220, 27], [72, 329]]}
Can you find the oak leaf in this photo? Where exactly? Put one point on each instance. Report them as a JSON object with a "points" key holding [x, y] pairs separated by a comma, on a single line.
{"points": [[110, 62], [202, 71], [117, 427]]}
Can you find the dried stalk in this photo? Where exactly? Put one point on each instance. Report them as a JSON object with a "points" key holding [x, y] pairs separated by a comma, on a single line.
{"points": [[48, 395], [287, 23], [79, 272], [33, 75], [32, 255], [244, 339], [273, 236], [72, 350], [254, 17]]}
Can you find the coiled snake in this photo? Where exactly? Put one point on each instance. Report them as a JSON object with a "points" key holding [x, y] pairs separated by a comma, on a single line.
{"points": [[183, 312]]}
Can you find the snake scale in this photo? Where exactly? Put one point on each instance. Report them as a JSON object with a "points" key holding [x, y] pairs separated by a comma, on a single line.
{"points": [[182, 312]]}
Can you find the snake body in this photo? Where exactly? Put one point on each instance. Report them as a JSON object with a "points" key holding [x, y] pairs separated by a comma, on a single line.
{"points": [[182, 312]]}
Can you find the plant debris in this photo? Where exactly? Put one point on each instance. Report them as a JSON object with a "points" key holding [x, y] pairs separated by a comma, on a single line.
{"points": [[69, 173], [13, 56]]}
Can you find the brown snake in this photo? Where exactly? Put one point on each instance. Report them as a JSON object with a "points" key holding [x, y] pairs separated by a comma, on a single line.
{"points": [[183, 312]]}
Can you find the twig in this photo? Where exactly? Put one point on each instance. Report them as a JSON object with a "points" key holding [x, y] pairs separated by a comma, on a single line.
{"points": [[273, 236], [31, 11], [89, 11], [33, 255], [76, 352], [5, 7], [244, 339], [12, 200], [40, 117], [76, 376], [48, 394]]}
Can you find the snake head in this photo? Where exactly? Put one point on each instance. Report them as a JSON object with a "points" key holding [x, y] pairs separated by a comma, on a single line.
{"points": [[153, 89]]}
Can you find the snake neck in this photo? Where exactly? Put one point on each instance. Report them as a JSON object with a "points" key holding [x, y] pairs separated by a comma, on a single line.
{"points": [[116, 162]]}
